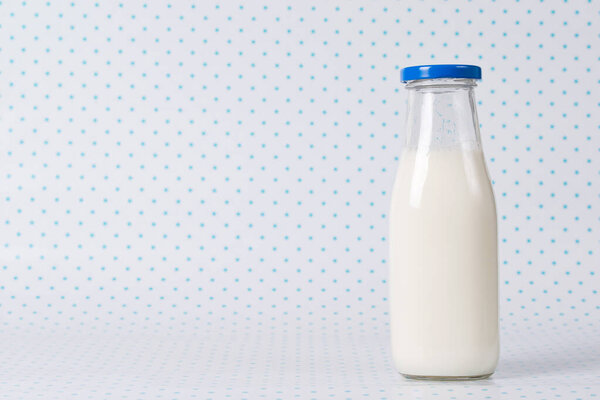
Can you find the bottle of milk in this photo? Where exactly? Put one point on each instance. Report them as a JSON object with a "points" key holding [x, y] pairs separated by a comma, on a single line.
{"points": [[443, 238]]}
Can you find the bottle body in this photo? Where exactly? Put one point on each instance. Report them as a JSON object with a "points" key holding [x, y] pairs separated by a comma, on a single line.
{"points": [[443, 242]]}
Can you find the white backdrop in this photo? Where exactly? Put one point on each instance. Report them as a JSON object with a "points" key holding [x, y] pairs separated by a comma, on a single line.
{"points": [[212, 166]]}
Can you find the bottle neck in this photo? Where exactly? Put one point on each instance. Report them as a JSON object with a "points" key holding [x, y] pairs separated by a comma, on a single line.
{"points": [[442, 114]]}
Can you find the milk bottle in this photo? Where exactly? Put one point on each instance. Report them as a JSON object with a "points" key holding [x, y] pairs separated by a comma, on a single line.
{"points": [[443, 237]]}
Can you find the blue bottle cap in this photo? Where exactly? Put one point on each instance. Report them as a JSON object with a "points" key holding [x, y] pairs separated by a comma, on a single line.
{"points": [[440, 71]]}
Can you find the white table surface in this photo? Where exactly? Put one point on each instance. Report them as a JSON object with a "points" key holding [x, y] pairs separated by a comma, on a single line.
{"points": [[281, 361]]}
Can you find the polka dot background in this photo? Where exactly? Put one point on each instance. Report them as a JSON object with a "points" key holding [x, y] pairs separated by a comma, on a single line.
{"points": [[194, 195]]}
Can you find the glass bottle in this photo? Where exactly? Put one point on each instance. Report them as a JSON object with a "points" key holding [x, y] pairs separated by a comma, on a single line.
{"points": [[443, 235]]}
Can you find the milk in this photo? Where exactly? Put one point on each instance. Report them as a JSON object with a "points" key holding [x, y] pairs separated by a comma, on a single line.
{"points": [[443, 272]]}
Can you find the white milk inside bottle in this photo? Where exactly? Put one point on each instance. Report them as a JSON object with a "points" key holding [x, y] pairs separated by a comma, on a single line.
{"points": [[443, 236]]}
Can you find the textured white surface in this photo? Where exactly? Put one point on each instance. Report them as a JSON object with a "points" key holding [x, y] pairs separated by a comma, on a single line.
{"points": [[280, 362], [172, 173]]}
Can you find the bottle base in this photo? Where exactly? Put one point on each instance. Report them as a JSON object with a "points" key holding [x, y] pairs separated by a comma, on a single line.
{"points": [[446, 378]]}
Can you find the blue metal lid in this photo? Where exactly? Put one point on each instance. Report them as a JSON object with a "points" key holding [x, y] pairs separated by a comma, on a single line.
{"points": [[440, 71]]}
